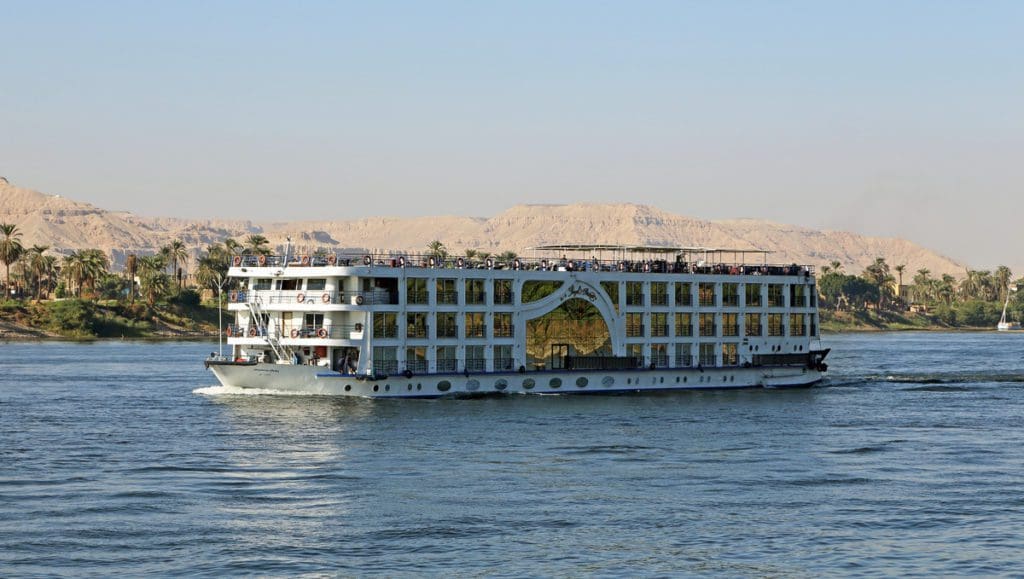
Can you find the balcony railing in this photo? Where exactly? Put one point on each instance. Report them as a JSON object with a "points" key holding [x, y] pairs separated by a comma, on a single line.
{"points": [[684, 330], [504, 332], [447, 365], [659, 330], [447, 331], [634, 330], [312, 297], [417, 332], [447, 297], [476, 331], [297, 332], [659, 299], [730, 329], [476, 364]]}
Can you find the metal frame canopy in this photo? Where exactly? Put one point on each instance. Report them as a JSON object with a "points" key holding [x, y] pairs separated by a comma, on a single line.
{"points": [[710, 254]]}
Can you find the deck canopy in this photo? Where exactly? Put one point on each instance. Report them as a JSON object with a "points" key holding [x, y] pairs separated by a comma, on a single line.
{"points": [[705, 254]]}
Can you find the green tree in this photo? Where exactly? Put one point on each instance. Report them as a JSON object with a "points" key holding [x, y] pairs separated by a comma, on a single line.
{"points": [[177, 256], [437, 250], [1002, 278], [84, 267], [257, 244], [40, 265], [878, 274], [10, 249]]}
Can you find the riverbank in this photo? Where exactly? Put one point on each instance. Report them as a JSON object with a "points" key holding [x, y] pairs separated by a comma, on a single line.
{"points": [[86, 319], [886, 321]]}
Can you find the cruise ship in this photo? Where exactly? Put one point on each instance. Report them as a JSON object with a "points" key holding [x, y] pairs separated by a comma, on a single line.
{"points": [[568, 319]]}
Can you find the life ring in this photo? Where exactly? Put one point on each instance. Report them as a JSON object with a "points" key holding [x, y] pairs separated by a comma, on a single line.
{"points": [[359, 300], [262, 260], [252, 332], [332, 259], [570, 265], [305, 260], [367, 260], [460, 263], [237, 260], [432, 261], [544, 264], [622, 266], [326, 298], [647, 266], [401, 261], [300, 298], [517, 264], [489, 263], [321, 333], [359, 327], [295, 333], [229, 332], [233, 296]]}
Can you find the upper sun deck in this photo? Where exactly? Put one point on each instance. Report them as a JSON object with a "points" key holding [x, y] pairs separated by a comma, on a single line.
{"points": [[576, 257]]}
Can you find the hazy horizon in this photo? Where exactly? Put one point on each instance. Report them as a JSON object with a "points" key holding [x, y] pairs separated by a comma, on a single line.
{"points": [[892, 120]]}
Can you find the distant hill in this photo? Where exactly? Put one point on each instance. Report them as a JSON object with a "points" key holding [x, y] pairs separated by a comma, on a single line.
{"points": [[67, 225]]}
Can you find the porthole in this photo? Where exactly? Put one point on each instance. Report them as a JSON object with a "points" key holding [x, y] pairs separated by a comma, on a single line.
{"points": [[348, 387], [409, 388], [607, 381], [555, 382], [529, 383], [582, 382], [501, 384], [473, 385], [387, 387], [756, 348], [685, 379], [444, 386], [419, 386], [629, 381], [732, 378], [725, 378], [661, 380], [677, 379], [376, 387]]}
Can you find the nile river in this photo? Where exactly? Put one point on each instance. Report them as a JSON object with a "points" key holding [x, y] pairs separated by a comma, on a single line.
{"points": [[123, 458]]}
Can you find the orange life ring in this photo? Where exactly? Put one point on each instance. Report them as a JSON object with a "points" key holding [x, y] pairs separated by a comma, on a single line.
{"points": [[233, 296], [359, 300], [301, 297], [295, 333], [326, 298], [237, 260], [252, 332], [332, 259], [228, 332], [322, 332], [305, 260], [262, 260]]}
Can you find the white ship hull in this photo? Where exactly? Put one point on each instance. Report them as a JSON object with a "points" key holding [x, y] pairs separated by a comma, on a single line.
{"points": [[321, 381]]}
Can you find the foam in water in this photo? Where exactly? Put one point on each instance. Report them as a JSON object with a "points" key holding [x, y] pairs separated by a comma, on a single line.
{"points": [[236, 391]]}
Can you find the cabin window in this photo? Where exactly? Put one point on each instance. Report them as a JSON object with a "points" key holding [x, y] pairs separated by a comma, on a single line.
{"points": [[537, 290], [752, 325], [730, 354], [475, 326], [659, 293], [753, 295], [731, 295], [312, 323], [659, 324], [416, 359], [683, 295], [708, 355], [446, 291], [476, 360], [288, 284], [730, 324], [775, 325], [316, 284], [796, 325], [659, 355], [684, 324], [503, 291], [775, 297], [797, 295], [261, 284], [447, 327], [416, 291], [385, 325], [416, 325], [446, 361], [684, 355], [385, 360], [475, 293], [503, 325], [503, 358], [636, 352], [707, 325], [706, 294], [634, 325], [634, 293]]}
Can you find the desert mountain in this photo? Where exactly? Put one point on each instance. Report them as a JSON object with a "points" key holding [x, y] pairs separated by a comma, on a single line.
{"points": [[67, 225]]}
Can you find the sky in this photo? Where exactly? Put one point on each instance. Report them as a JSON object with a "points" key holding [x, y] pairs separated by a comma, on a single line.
{"points": [[889, 118]]}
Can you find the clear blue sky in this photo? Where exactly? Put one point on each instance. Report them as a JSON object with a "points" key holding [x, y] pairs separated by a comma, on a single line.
{"points": [[884, 118]]}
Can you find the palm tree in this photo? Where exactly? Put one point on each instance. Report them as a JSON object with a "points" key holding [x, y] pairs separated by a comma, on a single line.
{"points": [[836, 265], [176, 255], [38, 265], [1002, 280], [84, 267], [923, 285], [878, 274], [10, 249], [152, 279], [131, 264], [232, 247], [899, 284], [257, 244], [437, 250]]}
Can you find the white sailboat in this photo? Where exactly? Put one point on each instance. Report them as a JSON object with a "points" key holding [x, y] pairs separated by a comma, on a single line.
{"points": [[1004, 325]]}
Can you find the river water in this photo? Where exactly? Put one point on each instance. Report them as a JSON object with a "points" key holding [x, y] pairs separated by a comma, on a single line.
{"points": [[125, 458]]}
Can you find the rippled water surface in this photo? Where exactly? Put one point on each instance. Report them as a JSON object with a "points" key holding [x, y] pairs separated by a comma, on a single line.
{"points": [[122, 458]]}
